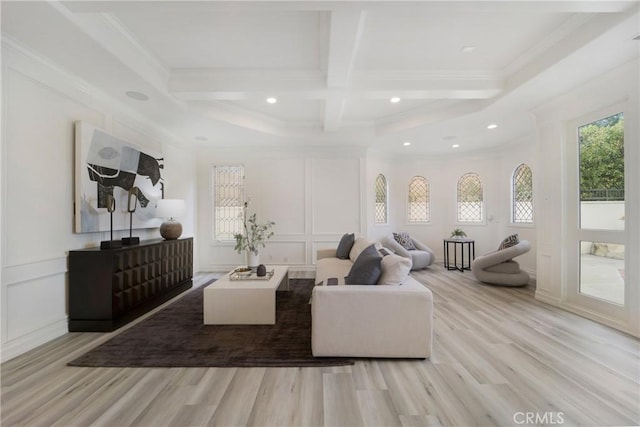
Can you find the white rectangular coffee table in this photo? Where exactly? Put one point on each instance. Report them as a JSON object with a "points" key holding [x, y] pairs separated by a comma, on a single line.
{"points": [[244, 302]]}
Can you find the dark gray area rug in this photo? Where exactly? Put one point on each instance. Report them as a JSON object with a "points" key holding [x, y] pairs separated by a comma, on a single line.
{"points": [[176, 337]]}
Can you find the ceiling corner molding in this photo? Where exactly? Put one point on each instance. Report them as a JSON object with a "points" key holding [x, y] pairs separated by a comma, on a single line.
{"points": [[247, 119], [109, 33], [223, 84], [574, 35], [431, 114], [37, 67]]}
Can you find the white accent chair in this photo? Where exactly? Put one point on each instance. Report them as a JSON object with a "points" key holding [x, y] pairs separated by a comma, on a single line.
{"points": [[421, 257], [499, 268]]}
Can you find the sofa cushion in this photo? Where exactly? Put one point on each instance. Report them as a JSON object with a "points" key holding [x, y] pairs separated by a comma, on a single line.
{"points": [[395, 269], [508, 242], [345, 245], [358, 246], [405, 240], [330, 268], [366, 269]]}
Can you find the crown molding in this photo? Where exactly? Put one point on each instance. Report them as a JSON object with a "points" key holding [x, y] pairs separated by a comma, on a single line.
{"points": [[112, 35]]}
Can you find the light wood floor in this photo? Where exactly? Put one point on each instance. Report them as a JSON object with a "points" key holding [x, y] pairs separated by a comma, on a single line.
{"points": [[500, 358]]}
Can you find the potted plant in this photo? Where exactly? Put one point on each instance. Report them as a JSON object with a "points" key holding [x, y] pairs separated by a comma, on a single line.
{"points": [[458, 234], [253, 236]]}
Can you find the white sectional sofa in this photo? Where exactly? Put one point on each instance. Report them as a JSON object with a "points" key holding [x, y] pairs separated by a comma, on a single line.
{"points": [[368, 320]]}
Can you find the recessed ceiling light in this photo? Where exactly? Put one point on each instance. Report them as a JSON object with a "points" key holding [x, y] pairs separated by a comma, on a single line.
{"points": [[271, 100], [394, 100], [138, 96], [468, 49], [492, 126], [455, 146], [406, 143]]}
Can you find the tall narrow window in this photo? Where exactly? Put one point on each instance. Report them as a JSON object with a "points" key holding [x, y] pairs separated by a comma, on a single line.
{"points": [[382, 201], [522, 195], [470, 198], [228, 200], [418, 209]]}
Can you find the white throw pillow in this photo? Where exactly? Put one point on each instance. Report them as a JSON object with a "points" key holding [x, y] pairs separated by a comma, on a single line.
{"points": [[395, 269]]}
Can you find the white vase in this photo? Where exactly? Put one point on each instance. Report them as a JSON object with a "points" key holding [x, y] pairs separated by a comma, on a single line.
{"points": [[253, 260]]}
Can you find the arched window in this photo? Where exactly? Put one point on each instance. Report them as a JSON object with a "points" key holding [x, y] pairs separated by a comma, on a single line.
{"points": [[522, 195], [470, 198], [418, 207], [382, 200]]}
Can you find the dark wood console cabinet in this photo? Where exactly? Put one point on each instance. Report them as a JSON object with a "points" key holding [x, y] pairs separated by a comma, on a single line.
{"points": [[108, 288]]}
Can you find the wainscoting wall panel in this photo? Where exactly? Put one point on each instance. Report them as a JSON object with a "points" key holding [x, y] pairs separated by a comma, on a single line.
{"points": [[336, 195], [284, 252], [311, 196], [35, 298], [282, 194]]}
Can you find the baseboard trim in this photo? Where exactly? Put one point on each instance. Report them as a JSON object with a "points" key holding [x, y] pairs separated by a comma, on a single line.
{"points": [[587, 314], [542, 296], [20, 345]]}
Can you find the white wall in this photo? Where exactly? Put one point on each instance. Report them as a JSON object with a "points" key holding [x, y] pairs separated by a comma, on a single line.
{"points": [[39, 106], [602, 215], [494, 168], [313, 196]]}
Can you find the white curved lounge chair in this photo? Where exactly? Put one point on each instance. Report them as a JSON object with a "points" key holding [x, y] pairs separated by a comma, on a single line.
{"points": [[421, 258], [498, 267]]}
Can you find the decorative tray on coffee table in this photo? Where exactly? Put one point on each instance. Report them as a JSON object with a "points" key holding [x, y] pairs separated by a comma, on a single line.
{"points": [[246, 274]]}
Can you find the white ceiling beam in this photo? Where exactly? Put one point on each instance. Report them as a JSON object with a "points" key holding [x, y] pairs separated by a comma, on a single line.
{"points": [[344, 39], [427, 84], [193, 83], [198, 85], [460, 93], [333, 111], [345, 34]]}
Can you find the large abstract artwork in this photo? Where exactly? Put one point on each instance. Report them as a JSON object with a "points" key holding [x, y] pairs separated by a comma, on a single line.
{"points": [[108, 167]]}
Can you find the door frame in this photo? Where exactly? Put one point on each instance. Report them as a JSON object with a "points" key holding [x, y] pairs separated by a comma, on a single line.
{"points": [[596, 308]]}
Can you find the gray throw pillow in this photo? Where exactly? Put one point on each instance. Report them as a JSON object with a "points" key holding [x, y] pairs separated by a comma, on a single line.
{"points": [[405, 240], [345, 245], [366, 270]]}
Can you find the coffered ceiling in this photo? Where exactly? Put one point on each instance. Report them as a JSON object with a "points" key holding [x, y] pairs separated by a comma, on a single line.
{"points": [[208, 67]]}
